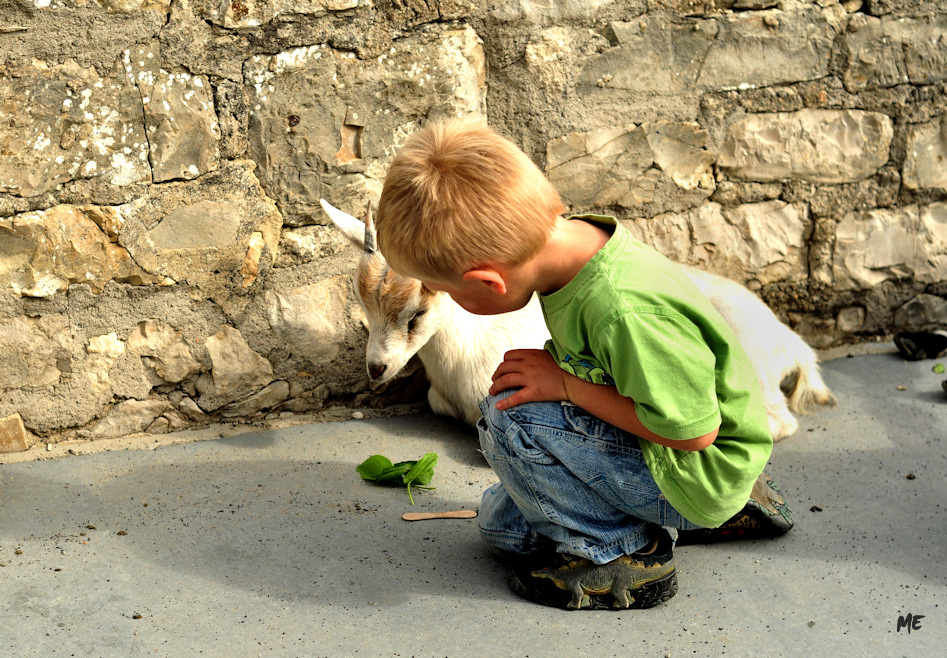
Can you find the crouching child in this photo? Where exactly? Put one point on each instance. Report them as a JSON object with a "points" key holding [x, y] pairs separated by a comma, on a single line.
{"points": [[641, 421]]}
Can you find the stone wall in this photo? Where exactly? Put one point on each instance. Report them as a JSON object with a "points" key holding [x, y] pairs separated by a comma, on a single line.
{"points": [[164, 262]]}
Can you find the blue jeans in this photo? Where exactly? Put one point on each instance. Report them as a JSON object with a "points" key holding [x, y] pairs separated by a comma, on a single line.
{"points": [[569, 482]]}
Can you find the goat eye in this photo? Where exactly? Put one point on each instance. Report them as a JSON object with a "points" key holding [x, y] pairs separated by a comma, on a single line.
{"points": [[413, 322]]}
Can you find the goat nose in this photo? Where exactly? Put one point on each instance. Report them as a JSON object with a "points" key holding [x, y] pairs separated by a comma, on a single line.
{"points": [[376, 370]]}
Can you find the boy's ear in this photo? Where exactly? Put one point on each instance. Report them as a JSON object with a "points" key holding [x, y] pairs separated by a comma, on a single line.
{"points": [[488, 277]]}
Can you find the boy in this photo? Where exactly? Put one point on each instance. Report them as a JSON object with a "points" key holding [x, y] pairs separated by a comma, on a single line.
{"points": [[641, 417]]}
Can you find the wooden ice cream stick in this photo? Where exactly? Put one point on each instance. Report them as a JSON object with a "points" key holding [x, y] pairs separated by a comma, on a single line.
{"points": [[423, 516]]}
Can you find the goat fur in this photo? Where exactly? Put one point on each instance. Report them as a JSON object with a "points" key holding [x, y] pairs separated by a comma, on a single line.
{"points": [[460, 351]]}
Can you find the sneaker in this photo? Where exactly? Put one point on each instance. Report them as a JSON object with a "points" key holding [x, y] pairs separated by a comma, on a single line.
{"points": [[640, 580], [918, 345], [765, 516]]}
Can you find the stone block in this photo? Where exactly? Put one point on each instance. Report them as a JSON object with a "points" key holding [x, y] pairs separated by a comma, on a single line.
{"points": [[816, 146], [66, 122], [899, 244], [925, 163], [13, 436], [129, 417], [179, 116], [759, 243], [266, 398], [560, 11], [254, 13], [850, 318], [653, 55], [892, 50], [310, 320], [321, 117], [654, 166], [34, 352], [48, 250], [236, 371], [765, 48], [200, 232], [545, 58], [922, 311], [164, 350], [925, 47]]}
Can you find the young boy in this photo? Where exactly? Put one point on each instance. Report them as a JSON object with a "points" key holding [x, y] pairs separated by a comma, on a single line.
{"points": [[641, 417]]}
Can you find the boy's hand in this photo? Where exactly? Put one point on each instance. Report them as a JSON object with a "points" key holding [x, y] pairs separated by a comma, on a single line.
{"points": [[540, 379], [535, 373]]}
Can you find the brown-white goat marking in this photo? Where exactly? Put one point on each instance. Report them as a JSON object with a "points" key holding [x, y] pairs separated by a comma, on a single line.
{"points": [[390, 292]]}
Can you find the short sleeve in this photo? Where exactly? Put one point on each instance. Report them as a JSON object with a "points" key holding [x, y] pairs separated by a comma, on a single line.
{"points": [[659, 359]]}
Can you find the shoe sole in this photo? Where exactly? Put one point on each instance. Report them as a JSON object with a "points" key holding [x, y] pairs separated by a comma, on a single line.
{"points": [[745, 527]]}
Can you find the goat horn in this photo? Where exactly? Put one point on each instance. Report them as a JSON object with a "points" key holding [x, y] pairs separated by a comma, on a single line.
{"points": [[370, 241]]}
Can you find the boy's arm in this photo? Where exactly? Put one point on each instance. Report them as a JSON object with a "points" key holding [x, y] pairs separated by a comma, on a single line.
{"points": [[539, 378]]}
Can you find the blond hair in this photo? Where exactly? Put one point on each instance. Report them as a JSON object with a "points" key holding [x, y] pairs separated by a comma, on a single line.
{"points": [[457, 196]]}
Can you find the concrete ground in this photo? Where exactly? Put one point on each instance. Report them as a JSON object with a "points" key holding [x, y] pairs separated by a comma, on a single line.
{"points": [[268, 543]]}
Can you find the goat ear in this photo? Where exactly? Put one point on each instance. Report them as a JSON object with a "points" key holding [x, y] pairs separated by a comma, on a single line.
{"points": [[370, 235], [352, 228]]}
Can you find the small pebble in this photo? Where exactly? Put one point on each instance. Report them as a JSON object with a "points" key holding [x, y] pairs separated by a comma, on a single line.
{"points": [[358, 415]]}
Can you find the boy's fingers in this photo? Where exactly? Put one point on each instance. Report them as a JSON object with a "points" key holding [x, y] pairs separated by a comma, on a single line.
{"points": [[510, 402], [502, 383], [500, 371], [522, 396], [503, 370]]}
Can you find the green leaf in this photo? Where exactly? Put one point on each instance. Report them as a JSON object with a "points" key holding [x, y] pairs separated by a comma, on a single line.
{"points": [[396, 472], [373, 467], [423, 470], [422, 473], [379, 468], [939, 368]]}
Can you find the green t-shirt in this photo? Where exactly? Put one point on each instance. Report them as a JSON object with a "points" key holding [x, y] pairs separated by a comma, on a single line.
{"points": [[631, 318]]}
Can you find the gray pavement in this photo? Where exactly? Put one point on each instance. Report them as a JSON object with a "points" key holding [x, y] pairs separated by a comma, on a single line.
{"points": [[268, 543]]}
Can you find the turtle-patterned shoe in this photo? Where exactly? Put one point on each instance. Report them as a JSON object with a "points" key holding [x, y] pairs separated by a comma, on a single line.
{"points": [[765, 516], [640, 580]]}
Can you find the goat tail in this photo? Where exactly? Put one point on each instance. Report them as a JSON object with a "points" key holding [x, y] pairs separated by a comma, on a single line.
{"points": [[805, 389]]}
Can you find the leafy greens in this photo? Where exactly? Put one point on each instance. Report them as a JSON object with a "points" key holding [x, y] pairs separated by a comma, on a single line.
{"points": [[380, 469]]}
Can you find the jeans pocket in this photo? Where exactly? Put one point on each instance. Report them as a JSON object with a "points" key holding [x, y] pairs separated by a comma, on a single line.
{"points": [[627, 494], [525, 447], [582, 422]]}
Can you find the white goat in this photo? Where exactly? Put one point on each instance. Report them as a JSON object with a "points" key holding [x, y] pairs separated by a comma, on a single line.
{"points": [[460, 351]]}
